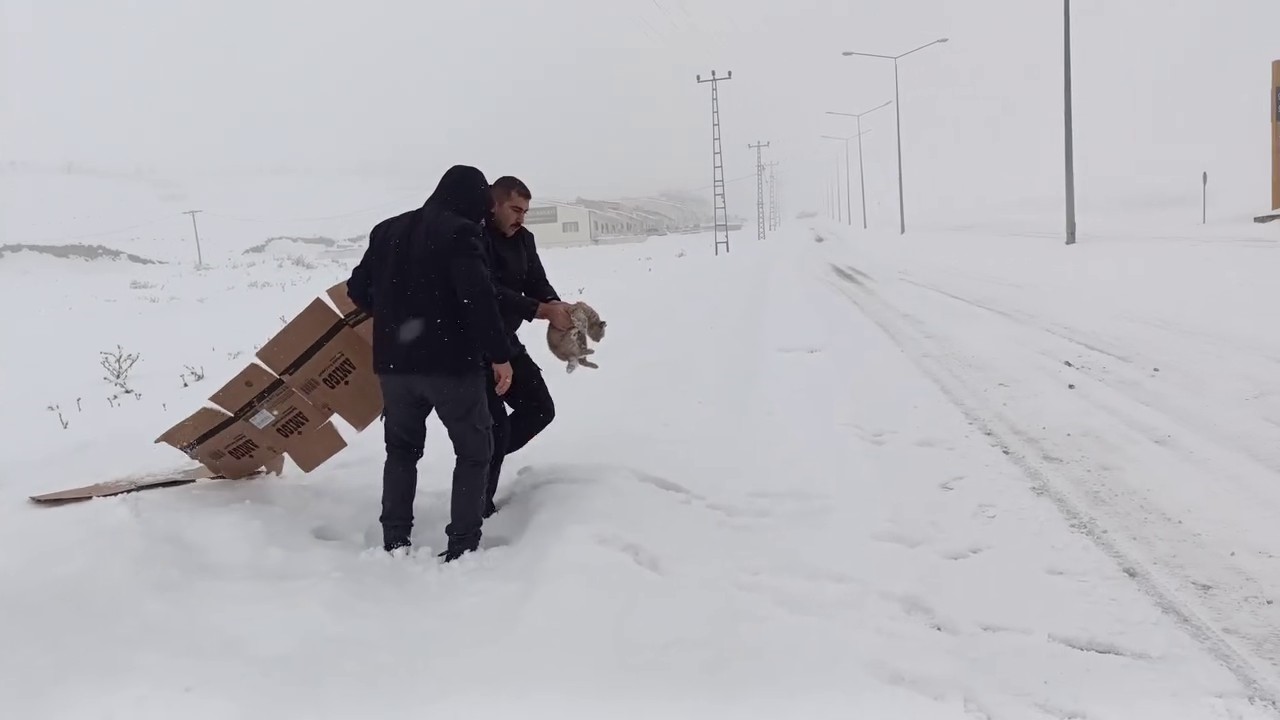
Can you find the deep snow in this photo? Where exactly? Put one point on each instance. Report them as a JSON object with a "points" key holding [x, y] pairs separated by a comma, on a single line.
{"points": [[804, 480]]}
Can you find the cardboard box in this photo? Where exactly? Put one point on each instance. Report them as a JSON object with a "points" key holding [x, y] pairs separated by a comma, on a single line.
{"points": [[281, 419], [320, 356], [221, 442], [356, 319]]}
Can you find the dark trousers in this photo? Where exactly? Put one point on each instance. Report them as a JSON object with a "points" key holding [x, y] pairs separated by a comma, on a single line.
{"points": [[532, 410], [461, 402]]}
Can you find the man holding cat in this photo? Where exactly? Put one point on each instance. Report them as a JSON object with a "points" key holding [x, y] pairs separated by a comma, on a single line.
{"points": [[524, 293]]}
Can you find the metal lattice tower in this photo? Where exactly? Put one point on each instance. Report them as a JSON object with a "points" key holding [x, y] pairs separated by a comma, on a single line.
{"points": [[774, 219], [759, 147], [721, 209]]}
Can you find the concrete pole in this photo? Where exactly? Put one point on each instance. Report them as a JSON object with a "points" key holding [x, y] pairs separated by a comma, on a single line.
{"points": [[1070, 149]]}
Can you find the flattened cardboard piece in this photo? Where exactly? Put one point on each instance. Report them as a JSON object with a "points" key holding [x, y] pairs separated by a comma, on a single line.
{"points": [[135, 483], [128, 484], [220, 442], [280, 419], [357, 319], [321, 357]]}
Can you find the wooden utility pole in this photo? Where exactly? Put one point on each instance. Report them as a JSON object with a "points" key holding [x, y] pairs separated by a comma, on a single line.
{"points": [[199, 255]]}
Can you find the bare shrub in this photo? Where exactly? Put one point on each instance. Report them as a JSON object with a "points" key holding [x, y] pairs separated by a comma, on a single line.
{"points": [[192, 375], [58, 411], [118, 364]]}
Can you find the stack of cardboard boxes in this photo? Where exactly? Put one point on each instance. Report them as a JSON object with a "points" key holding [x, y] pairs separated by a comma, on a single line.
{"points": [[317, 366]]}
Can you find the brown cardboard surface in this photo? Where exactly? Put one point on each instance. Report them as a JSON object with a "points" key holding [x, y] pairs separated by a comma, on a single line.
{"points": [[275, 466], [219, 442], [321, 357], [280, 419], [127, 484], [134, 483], [356, 318]]}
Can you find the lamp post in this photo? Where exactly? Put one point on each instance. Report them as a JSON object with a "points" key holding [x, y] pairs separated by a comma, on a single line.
{"points": [[862, 179], [848, 203], [1067, 122], [897, 101]]}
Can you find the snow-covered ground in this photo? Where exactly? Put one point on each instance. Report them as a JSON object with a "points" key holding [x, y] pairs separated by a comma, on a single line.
{"points": [[951, 476], [143, 214]]}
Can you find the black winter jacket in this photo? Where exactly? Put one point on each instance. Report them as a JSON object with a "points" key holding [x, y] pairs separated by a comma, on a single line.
{"points": [[520, 279], [426, 281]]}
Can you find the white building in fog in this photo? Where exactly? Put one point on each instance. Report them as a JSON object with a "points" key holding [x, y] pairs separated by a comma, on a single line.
{"points": [[588, 222], [558, 224]]}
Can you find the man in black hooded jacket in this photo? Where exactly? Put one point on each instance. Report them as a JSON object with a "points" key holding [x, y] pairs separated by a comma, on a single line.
{"points": [[425, 279]]}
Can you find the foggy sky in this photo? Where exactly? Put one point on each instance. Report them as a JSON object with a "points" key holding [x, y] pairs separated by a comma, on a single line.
{"points": [[598, 97]]}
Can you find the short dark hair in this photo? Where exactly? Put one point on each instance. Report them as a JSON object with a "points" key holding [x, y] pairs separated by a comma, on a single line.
{"points": [[506, 185]]}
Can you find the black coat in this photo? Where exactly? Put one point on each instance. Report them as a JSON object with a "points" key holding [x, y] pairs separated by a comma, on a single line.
{"points": [[426, 281], [520, 279]]}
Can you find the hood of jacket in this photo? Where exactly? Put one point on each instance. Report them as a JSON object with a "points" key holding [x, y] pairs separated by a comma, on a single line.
{"points": [[464, 191]]}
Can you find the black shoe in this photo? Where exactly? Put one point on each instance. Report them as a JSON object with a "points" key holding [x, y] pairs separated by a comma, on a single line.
{"points": [[393, 545], [454, 553]]}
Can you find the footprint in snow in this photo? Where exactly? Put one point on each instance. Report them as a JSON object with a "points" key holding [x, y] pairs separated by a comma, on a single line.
{"points": [[966, 553], [877, 437], [987, 511], [1100, 647], [900, 538], [634, 552], [331, 533], [920, 610]]}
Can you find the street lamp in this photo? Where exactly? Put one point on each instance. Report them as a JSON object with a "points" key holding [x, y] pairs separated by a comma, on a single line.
{"points": [[1067, 112], [902, 212], [847, 203], [862, 180]]}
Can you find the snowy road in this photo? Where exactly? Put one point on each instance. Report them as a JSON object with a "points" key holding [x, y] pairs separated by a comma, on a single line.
{"points": [[774, 497], [1154, 433]]}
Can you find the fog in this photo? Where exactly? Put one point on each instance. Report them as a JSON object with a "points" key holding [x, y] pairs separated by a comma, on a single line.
{"points": [[582, 97]]}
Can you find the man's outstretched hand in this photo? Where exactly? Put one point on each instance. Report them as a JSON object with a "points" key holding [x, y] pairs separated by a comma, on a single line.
{"points": [[502, 375], [556, 312]]}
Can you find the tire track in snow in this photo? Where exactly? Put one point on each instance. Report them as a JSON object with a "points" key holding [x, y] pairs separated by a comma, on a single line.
{"points": [[1241, 574], [1254, 666], [1128, 376], [1021, 320]]}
